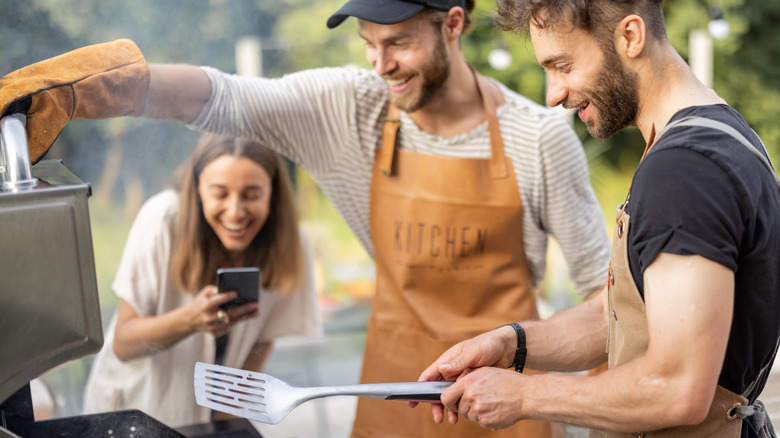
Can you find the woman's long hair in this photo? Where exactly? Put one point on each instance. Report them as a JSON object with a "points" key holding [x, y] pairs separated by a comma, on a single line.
{"points": [[198, 252]]}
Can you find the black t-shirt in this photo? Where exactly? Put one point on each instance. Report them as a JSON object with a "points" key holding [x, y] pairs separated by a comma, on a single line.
{"points": [[701, 192]]}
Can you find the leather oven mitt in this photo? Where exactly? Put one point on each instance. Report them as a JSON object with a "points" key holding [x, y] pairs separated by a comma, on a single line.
{"points": [[93, 82]]}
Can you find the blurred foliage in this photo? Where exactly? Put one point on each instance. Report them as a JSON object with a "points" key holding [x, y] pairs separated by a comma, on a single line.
{"points": [[294, 37]]}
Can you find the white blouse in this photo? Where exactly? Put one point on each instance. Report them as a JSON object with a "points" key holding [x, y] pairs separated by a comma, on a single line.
{"points": [[161, 384]]}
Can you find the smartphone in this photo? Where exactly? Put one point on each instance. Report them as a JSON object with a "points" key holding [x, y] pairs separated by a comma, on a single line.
{"points": [[244, 281]]}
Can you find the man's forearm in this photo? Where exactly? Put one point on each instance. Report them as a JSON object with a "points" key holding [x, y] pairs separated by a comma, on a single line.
{"points": [[572, 340], [176, 92]]}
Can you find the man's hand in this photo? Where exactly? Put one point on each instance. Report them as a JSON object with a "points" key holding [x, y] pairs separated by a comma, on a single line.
{"points": [[490, 396], [493, 348], [94, 82]]}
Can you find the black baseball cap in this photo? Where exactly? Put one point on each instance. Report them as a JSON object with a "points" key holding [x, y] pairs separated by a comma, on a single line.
{"points": [[387, 11]]}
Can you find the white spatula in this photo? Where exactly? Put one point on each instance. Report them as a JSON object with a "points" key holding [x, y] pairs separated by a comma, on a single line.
{"points": [[260, 397]]}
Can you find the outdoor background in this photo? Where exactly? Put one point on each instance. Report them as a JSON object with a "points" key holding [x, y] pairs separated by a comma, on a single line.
{"points": [[127, 160]]}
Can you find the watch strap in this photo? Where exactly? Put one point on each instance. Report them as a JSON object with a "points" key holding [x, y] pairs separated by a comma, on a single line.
{"points": [[520, 352]]}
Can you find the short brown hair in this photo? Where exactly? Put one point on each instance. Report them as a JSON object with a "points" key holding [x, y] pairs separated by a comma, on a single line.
{"points": [[436, 16], [596, 17], [198, 252]]}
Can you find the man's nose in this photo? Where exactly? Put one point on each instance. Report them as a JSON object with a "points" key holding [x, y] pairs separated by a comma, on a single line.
{"points": [[384, 62], [556, 91]]}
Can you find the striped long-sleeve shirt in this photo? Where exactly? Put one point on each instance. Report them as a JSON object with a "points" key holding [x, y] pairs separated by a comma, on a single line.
{"points": [[329, 121]]}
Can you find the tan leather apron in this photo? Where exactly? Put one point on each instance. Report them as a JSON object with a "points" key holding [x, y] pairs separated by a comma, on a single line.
{"points": [[450, 265], [628, 331]]}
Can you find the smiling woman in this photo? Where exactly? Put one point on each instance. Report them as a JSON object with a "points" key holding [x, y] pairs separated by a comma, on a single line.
{"points": [[236, 195], [232, 207]]}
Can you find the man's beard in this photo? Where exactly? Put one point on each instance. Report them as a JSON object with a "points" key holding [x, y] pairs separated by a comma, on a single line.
{"points": [[615, 95], [433, 75]]}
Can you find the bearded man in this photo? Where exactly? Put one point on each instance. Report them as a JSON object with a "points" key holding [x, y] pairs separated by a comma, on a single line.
{"points": [[693, 290]]}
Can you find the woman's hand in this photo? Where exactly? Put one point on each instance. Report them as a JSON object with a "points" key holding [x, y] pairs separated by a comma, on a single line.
{"points": [[138, 335], [205, 314]]}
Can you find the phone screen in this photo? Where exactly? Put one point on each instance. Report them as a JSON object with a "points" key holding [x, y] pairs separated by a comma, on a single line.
{"points": [[244, 281]]}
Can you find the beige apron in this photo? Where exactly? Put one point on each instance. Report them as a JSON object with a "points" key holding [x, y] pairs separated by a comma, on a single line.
{"points": [[450, 265], [628, 333]]}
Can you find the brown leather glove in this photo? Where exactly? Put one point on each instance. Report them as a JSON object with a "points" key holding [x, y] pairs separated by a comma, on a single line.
{"points": [[93, 82]]}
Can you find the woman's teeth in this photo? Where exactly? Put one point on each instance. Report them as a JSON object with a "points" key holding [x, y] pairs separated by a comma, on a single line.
{"points": [[234, 227]]}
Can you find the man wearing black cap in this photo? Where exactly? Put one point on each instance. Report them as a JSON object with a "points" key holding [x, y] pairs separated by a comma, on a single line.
{"points": [[388, 12], [451, 181]]}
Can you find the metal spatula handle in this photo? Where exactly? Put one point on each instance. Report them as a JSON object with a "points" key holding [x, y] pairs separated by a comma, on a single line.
{"points": [[412, 391]]}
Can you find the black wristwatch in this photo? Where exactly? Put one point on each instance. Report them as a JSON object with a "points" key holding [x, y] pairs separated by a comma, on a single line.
{"points": [[521, 351]]}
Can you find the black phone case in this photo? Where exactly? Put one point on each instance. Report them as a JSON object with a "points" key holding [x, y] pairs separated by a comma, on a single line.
{"points": [[245, 281]]}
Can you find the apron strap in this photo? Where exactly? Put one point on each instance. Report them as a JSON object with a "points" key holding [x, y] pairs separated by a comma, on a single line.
{"points": [[491, 100], [756, 413], [389, 132], [714, 124], [757, 416]]}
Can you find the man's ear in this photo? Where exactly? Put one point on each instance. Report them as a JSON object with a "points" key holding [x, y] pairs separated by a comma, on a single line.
{"points": [[454, 23], [631, 36]]}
